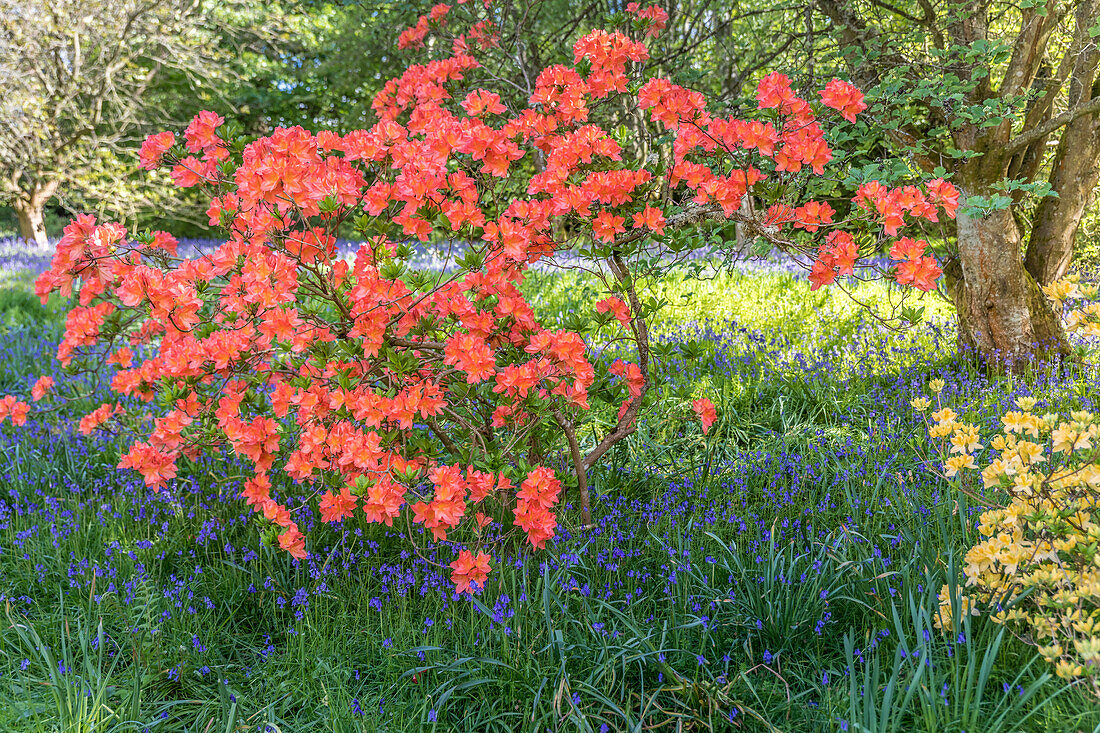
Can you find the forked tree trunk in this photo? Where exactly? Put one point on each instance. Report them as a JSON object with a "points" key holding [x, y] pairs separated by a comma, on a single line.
{"points": [[1074, 174], [30, 210], [1004, 318]]}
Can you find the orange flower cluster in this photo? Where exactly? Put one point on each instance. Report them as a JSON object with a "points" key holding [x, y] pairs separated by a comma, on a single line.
{"points": [[41, 386], [635, 382], [915, 268], [843, 97], [537, 495], [468, 571], [358, 376], [655, 17], [837, 256], [704, 408], [617, 308], [16, 409]]}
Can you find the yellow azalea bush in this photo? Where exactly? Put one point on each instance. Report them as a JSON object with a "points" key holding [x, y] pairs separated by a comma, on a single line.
{"points": [[1083, 318], [1037, 568]]}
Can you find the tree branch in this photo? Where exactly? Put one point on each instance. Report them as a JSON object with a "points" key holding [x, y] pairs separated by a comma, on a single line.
{"points": [[1027, 137], [579, 468]]}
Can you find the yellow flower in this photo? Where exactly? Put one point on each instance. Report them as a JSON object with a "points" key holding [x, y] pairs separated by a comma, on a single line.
{"points": [[1085, 438], [1023, 483], [1084, 319], [1090, 475], [946, 415], [956, 463], [1065, 545], [1038, 553], [1051, 652], [941, 430], [1021, 422], [1029, 452], [980, 558], [991, 474], [1012, 514], [1068, 670], [1060, 291], [1062, 479], [944, 617], [965, 439], [920, 404], [1088, 650], [936, 386], [1063, 438]]}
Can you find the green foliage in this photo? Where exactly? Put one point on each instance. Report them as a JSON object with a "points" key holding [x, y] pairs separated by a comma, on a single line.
{"points": [[1087, 255], [20, 308], [922, 681], [748, 604], [81, 674]]}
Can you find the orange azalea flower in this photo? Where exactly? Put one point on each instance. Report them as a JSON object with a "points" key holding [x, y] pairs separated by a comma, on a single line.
{"points": [[920, 273], [41, 387], [294, 542], [257, 491], [154, 148], [155, 466], [908, 249], [606, 225], [335, 507], [13, 408], [704, 408], [617, 308], [469, 573], [844, 97], [650, 218]]}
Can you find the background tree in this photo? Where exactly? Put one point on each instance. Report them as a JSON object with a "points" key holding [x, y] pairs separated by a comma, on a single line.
{"points": [[323, 66], [985, 89], [999, 97], [317, 64], [77, 83]]}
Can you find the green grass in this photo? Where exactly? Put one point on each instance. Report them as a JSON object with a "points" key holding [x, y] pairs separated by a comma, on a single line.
{"points": [[799, 633]]}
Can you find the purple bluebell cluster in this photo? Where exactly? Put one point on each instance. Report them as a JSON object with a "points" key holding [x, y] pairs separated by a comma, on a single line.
{"points": [[19, 257], [27, 259], [808, 488], [61, 486]]}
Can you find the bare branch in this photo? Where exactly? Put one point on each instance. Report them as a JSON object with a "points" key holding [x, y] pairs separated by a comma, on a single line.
{"points": [[1027, 137]]}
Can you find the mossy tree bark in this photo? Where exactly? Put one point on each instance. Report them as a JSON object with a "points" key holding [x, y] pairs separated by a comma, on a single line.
{"points": [[1003, 317]]}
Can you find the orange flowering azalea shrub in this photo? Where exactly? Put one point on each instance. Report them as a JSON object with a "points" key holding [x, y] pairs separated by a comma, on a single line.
{"points": [[387, 392], [1037, 567]]}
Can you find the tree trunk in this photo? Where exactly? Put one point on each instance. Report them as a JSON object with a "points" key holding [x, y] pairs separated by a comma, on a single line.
{"points": [[1004, 318], [741, 232], [30, 208], [32, 222], [1073, 176]]}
